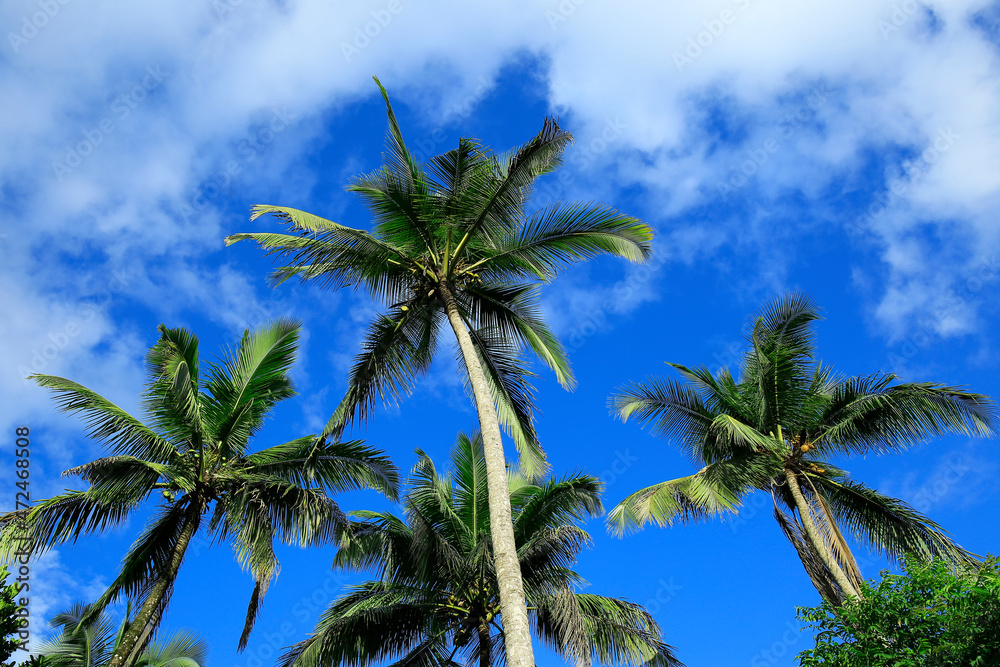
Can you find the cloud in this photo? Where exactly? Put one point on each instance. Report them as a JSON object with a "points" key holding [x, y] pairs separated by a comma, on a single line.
{"points": [[960, 479], [54, 587], [135, 126]]}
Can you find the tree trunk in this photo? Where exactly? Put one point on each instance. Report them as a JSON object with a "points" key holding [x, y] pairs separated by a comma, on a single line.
{"points": [[513, 609], [485, 645], [137, 636], [815, 539]]}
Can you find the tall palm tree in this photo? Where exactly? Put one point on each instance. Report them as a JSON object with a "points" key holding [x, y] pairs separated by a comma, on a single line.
{"points": [[453, 242], [194, 449], [436, 597], [86, 640], [773, 429]]}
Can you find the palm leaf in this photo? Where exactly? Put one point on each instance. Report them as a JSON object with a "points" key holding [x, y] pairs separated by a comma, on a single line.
{"points": [[61, 519], [337, 466], [563, 234], [107, 423], [692, 498], [888, 524]]}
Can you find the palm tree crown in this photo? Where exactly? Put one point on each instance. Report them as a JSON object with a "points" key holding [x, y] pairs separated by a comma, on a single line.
{"points": [[436, 601], [86, 640], [774, 428], [194, 449], [456, 229], [453, 242]]}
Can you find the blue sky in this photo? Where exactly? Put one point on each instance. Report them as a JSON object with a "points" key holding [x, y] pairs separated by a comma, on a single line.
{"points": [[851, 150]]}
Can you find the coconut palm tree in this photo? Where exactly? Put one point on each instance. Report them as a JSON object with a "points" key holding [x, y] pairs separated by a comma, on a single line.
{"points": [[774, 428], [436, 600], [453, 242], [194, 448], [87, 640]]}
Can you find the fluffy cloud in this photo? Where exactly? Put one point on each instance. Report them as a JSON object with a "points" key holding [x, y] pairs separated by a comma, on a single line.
{"points": [[130, 125]]}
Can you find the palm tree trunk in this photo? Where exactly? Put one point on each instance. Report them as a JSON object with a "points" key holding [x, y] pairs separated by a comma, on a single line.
{"points": [[513, 609], [137, 636], [815, 539], [485, 645]]}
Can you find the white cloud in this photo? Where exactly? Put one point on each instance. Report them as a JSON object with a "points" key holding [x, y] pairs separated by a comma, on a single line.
{"points": [[54, 587], [198, 100]]}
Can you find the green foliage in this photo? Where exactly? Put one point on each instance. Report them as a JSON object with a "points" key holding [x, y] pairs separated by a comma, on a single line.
{"points": [[458, 224], [436, 602], [10, 621], [774, 426], [88, 640], [932, 615], [192, 453]]}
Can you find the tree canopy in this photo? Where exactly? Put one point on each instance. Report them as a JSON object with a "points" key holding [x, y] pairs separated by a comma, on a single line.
{"points": [[931, 615]]}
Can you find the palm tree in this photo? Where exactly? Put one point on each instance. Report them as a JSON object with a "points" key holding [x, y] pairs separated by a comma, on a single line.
{"points": [[194, 449], [87, 640], [453, 242], [773, 429], [437, 596]]}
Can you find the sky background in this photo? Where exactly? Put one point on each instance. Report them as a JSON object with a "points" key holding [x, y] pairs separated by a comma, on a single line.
{"points": [[850, 150]]}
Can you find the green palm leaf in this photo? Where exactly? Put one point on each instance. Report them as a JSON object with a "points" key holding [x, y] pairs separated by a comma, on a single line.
{"points": [[452, 241], [193, 447], [436, 601], [771, 429]]}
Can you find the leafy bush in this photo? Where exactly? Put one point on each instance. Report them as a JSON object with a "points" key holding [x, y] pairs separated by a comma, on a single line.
{"points": [[929, 616]]}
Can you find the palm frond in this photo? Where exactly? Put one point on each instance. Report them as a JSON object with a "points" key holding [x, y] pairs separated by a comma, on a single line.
{"points": [[673, 410], [337, 466], [610, 630], [556, 503], [397, 347], [692, 498], [180, 649], [470, 496], [867, 414], [376, 621], [501, 213], [63, 518], [149, 556], [513, 311], [121, 478], [887, 524], [248, 383], [172, 396], [107, 423], [563, 234], [506, 373]]}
